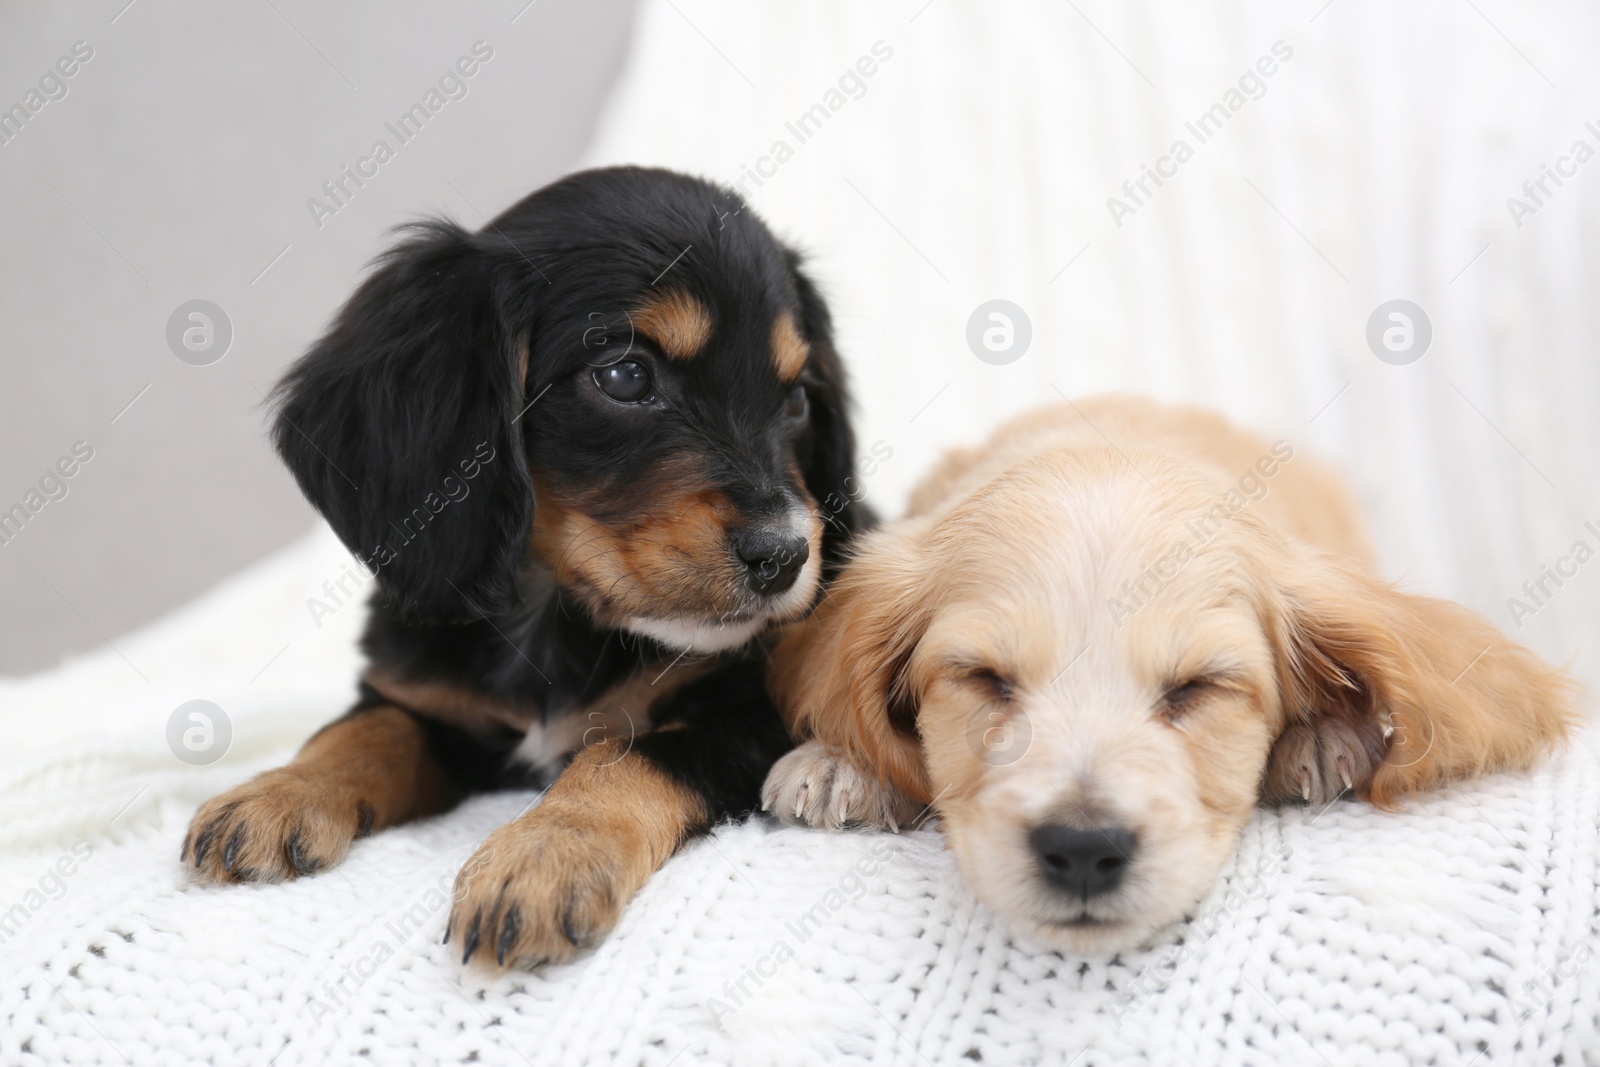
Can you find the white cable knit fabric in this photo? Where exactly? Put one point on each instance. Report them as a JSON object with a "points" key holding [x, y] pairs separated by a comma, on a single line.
{"points": [[976, 164]]}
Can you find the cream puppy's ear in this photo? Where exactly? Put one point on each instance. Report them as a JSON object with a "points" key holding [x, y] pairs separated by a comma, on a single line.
{"points": [[841, 678], [1387, 693]]}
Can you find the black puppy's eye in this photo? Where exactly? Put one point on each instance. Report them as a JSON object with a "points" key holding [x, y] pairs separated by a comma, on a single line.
{"points": [[798, 404], [627, 382]]}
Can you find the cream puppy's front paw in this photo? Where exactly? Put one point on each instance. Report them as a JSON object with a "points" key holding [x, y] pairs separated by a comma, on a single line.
{"points": [[1319, 762], [812, 787]]}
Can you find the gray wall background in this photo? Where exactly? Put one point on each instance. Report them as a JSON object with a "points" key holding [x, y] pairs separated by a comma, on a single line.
{"points": [[177, 166]]}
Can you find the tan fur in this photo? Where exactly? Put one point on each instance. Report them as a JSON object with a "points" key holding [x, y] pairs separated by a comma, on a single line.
{"points": [[678, 323], [671, 559], [459, 705], [359, 774], [789, 349], [657, 561], [556, 879], [1050, 559], [1315, 504]]}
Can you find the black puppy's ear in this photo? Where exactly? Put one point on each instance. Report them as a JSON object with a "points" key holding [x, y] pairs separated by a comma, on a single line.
{"points": [[398, 425], [829, 463]]}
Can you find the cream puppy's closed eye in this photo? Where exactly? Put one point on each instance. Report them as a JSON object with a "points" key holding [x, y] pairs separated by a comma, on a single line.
{"points": [[1095, 660]]}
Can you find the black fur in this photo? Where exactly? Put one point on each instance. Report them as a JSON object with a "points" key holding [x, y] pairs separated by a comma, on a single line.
{"points": [[416, 375], [732, 735]]}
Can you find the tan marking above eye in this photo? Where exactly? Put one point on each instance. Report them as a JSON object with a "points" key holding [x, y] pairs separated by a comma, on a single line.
{"points": [[789, 349], [678, 323]]}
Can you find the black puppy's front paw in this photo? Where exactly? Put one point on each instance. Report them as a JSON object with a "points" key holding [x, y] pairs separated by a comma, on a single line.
{"points": [[278, 825], [541, 889]]}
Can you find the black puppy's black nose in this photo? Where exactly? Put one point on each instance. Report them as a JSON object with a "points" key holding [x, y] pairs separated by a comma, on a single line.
{"points": [[1083, 863], [773, 557]]}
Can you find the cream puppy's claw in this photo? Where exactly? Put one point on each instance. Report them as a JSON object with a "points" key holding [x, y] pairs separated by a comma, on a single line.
{"points": [[1343, 762], [887, 812], [811, 787], [800, 797]]}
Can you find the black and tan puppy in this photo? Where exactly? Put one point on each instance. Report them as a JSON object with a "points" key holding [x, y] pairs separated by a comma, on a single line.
{"points": [[592, 453]]}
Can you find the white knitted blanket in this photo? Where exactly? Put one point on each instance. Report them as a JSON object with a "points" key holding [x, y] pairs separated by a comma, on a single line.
{"points": [[976, 164]]}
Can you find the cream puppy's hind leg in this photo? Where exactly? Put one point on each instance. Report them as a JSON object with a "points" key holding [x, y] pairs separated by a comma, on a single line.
{"points": [[812, 787]]}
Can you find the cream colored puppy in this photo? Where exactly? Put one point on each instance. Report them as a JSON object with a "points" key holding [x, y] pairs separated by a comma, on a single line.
{"points": [[1098, 641]]}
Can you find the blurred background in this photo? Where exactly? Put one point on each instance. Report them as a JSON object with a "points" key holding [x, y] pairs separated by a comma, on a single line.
{"points": [[175, 164], [1217, 203]]}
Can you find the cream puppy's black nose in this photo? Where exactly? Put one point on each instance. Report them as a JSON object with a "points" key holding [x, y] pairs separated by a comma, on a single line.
{"points": [[1083, 863]]}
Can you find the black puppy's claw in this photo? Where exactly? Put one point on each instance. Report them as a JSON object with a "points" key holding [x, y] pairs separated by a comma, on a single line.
{"points": [[202, 845], [509, 927], [364, 826], [233, 847], [302, 863], [472, 938]]}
